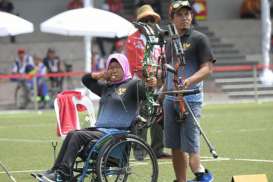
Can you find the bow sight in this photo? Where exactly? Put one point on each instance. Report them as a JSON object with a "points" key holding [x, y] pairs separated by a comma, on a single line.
{"points": [[153, 33]]}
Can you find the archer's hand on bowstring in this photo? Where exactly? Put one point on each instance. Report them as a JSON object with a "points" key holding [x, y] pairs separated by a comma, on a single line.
{"points": [[151, 81]]}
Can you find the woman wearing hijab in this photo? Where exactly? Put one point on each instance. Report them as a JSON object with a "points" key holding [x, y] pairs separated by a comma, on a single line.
{"points": [[118, 108]]}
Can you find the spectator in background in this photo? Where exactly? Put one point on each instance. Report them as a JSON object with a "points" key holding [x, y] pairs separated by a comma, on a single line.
{"points": [[23, 62], [115, 6], [156, 4], [7, 6], [250, 9], [119, 46], [74, 4], [42, 89], [97, 61], [23, 65], [53, 65]]}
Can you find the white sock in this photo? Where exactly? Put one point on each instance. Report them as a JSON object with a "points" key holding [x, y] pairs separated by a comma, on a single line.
{"points": [[201, 169]]}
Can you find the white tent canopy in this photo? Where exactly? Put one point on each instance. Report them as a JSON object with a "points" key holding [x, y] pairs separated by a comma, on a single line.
{"points": [[14, 25], [88, 22]]}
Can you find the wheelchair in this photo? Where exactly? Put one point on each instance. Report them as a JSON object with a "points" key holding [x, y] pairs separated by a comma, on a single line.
{"points": [[110, 159]]}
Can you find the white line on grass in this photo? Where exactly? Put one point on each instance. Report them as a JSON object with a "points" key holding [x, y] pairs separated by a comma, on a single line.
{"points": [[245, 130], [24, 140], [164, 162], [255, 160], [28, 125], [24, 171], [236, 159], [11, 112], [203, 160]]}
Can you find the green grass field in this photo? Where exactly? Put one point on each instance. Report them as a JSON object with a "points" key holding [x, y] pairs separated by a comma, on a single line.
{"points": [[242, 134]]}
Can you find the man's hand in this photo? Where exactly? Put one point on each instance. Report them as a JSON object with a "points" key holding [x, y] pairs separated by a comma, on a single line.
{"points": [[151, 82], [187, 83]]}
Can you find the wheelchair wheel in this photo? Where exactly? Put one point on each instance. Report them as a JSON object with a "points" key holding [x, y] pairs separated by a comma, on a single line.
{"points": [[116, 162]]}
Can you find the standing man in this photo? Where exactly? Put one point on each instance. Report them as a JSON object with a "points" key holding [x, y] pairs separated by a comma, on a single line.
{"points": [[181, 134], [23, 65], [135, 48]]}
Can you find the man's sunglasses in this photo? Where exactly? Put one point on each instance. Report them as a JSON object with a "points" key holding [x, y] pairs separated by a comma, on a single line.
{"points": [[148, 19]]}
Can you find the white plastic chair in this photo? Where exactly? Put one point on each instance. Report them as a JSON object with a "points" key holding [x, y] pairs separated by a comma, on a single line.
{"points": [[85, 101]]}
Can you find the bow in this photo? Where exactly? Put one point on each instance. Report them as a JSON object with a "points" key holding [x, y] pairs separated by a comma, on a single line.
{"points": [[181, 63], [150, 68]]}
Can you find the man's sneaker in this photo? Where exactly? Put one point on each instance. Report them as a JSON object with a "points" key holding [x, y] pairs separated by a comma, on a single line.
{"points": [[203, 177]]}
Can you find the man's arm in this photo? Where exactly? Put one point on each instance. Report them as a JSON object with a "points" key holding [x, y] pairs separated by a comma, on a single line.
{"points": [[204, 71]]}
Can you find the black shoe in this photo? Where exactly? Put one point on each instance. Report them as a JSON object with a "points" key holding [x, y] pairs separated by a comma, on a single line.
{"points": [[63, 177], [163, 156]]}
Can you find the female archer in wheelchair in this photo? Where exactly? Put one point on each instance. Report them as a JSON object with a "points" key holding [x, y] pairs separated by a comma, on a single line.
{"points": [[120, 96]]}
